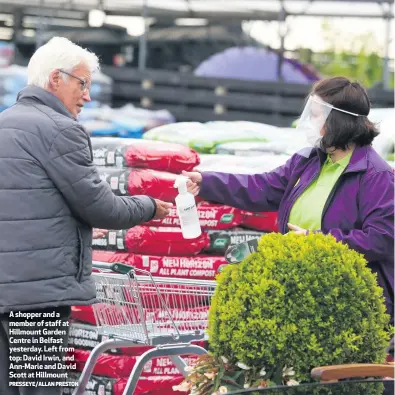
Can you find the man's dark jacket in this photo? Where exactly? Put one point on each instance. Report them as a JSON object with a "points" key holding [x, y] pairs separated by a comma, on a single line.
{"points": [[51, 196]]}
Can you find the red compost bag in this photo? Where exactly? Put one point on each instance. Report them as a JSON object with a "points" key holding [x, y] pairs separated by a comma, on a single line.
{"points": [[118, 366], [204, 267], [128, 182], [146, 154], [219, 216], [211, 216], [152, 385], [266, 222], [152, 240], [83, 314]]}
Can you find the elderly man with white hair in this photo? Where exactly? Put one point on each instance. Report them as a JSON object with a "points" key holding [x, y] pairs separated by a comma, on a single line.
{"points": [[51, 196]]}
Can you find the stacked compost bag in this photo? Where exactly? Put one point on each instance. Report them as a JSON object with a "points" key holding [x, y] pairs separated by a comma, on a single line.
{"points": [[239, 147], [132, 167]]}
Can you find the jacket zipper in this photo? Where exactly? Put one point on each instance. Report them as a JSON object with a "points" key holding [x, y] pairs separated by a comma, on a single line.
{"points": [[297, 194], [80, 267]]}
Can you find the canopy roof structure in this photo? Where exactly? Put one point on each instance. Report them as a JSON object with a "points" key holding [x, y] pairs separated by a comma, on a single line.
{"points": [[16, 15], [211, 9]]}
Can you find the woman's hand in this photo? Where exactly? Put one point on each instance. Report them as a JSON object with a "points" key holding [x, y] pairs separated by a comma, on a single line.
{"points": [[297, 230], [193, 184], [98, 233]]}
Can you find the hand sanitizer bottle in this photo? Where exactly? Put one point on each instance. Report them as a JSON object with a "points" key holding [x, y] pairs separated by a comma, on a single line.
{"points": [[186, 210]]}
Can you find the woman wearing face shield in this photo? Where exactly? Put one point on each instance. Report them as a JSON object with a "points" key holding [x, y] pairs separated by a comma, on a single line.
{"points": [[339, 185]]}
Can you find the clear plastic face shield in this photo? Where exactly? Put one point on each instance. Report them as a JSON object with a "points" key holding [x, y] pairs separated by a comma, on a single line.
{"points": [[313, 119]]}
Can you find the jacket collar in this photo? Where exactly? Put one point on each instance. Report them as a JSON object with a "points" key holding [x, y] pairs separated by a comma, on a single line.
{"points": [[358, 161], [43, 96]]}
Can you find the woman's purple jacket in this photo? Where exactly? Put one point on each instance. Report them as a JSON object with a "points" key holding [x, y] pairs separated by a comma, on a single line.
{"points": [[359, 210]]}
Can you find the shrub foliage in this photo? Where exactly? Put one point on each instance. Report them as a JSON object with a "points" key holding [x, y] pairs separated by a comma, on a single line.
{"points": [[301, 302]]}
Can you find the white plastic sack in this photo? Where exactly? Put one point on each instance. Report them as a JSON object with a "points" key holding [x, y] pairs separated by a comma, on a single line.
{"points": [[205, 137]]}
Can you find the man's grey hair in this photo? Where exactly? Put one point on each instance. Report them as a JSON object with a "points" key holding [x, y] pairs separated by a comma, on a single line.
{"points": [[58, 53]]}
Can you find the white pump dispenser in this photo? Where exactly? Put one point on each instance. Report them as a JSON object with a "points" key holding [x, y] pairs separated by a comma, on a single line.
{"points": [[186, 210]]}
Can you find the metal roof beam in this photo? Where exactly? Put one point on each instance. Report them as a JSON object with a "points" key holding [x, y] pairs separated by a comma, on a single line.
{"points": [[46, 12], [77, 9], [342, 15], [154, 12]]}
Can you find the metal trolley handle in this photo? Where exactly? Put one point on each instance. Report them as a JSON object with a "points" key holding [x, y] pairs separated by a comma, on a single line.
{"points": [[114, 267]]}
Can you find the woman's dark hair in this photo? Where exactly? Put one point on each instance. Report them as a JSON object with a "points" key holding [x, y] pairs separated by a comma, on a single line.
{"points": [[342, 129]]}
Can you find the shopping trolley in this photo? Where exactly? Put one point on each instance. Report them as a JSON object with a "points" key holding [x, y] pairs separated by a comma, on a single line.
{"points": [[136, 308]]}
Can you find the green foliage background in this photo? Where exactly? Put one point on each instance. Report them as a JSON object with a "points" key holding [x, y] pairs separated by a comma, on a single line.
{"points": [[358, 58]]}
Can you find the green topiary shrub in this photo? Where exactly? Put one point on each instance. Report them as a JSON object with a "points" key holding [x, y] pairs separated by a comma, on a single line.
{"points": [[300, 302]]}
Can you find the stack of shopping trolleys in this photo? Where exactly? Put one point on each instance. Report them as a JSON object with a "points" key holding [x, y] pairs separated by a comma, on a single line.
{"points": [[134, 308]]}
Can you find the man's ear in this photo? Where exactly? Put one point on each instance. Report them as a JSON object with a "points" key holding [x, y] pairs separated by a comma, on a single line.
{"points": [[54, 79]]}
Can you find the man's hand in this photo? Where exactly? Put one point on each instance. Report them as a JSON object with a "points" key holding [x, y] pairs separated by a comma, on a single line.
{"points": [[97, 233], [162, 209], [297, 230], [193, 184]]}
